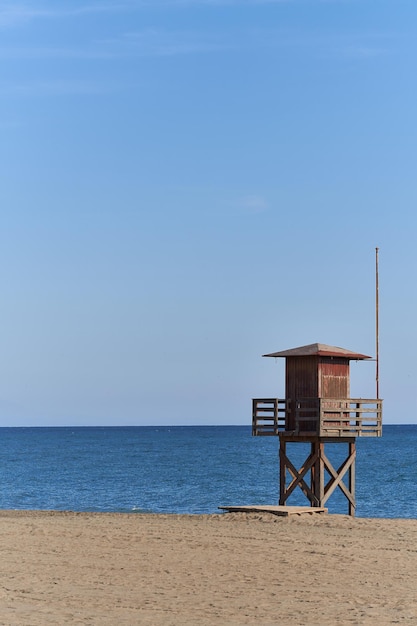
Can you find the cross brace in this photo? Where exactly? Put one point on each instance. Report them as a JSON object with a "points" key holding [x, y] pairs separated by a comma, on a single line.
{"points": [[311, 475]]}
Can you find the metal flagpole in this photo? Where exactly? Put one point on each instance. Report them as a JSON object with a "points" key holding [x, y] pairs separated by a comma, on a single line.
{"points": [[377, 320]]}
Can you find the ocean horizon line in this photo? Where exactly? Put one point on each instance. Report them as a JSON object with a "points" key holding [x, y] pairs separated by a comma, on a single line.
{"points": [[246, 425]]}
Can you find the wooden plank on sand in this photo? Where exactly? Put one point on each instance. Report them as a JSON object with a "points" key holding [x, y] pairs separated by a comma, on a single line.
{"points": [[283, 511]]}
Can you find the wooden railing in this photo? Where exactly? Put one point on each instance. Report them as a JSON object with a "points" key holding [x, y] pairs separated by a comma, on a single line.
{"points": [[268, 416], [331, 417]]}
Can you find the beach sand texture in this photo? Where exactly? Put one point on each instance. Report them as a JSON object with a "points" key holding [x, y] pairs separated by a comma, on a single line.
{"points": [[228, 569]]}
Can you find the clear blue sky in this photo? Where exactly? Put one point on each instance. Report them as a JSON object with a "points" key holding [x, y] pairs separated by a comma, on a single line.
{"points": [[186, 185]]}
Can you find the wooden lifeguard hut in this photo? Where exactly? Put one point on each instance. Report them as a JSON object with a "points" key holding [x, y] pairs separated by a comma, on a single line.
{"points": [[317, 410]]}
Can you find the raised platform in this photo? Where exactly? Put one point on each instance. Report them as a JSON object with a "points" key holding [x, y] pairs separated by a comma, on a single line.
{"points": [[301, 418], [283, 511]]}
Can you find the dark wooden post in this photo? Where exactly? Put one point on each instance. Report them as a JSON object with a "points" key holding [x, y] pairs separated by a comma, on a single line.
{"points": [[282, 471]]}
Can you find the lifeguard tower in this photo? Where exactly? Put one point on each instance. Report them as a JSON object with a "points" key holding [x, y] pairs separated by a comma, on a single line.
{"points": [[317, 410]]}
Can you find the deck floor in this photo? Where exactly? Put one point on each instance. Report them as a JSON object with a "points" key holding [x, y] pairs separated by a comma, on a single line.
{"points": [[283, 511]]}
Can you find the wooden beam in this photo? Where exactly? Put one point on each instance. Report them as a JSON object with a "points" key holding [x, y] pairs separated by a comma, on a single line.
{"points": [[297, 477], [337, 476], [317, 463]]}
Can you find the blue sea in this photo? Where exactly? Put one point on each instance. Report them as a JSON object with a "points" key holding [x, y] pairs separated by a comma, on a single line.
{"points": [[190, 469]]}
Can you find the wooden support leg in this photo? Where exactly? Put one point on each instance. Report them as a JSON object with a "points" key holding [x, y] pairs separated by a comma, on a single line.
{"points": [[352, 502], [313, 474], [317, 463], [336, 478], [282, 472], [317, 473], [298, 476]]}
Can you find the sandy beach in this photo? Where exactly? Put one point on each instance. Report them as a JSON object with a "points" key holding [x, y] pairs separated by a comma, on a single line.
{"points": [[231, 569]]}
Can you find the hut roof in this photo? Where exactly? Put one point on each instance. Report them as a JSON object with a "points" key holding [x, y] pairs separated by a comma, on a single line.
{"points": [[320, 349]]}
